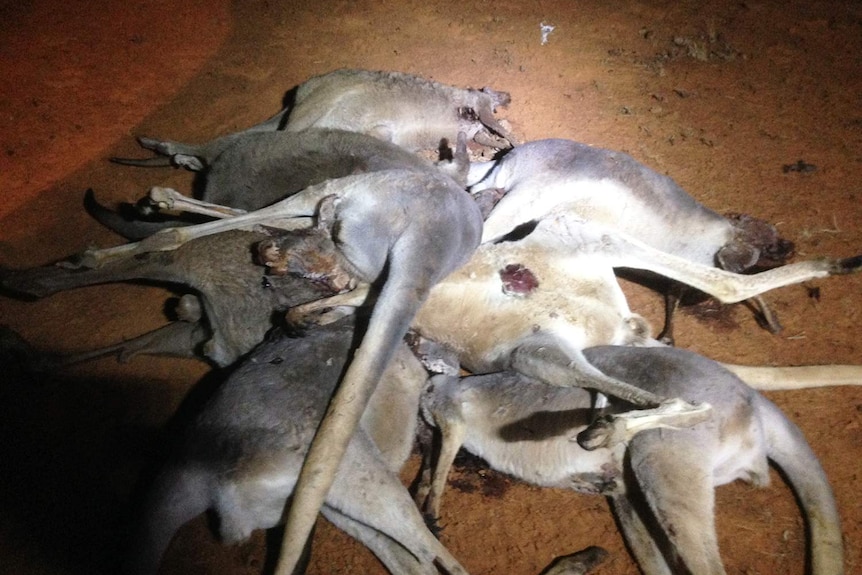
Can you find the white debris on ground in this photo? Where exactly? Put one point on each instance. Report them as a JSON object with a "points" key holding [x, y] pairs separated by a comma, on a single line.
{"points": [[546, 30]]}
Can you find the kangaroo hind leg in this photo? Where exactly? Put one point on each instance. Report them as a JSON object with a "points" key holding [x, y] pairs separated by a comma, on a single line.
{"points": [[676, 482]]}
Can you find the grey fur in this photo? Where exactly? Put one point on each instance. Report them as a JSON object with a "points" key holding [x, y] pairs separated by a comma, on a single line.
{"points": [[241, 456], [405, 229], [614, 189], [248, 171], [467, 310], [577, 303], [523, 428], [401, 108], [238, 302]]}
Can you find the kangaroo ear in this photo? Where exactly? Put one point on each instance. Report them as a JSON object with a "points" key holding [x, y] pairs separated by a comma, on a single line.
{"points": [[498, 98], [326, 212]]}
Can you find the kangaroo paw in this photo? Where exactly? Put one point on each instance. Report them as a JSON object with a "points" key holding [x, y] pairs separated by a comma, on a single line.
{"points": [[610, 430]]}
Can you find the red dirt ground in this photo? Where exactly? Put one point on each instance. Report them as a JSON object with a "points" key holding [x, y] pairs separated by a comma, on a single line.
{"points": [[720, 96]]}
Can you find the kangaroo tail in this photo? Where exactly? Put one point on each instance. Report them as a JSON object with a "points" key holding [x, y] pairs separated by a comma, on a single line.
{"points": [[154, 162], [133, 230], [789, 450], [799, 377]]}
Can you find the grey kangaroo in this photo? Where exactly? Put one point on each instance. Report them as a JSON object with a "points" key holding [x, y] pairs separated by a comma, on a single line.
{"points": [[555, 290], [560, 246], [243, 463], [613, 188], [227, 304], [248, 171], [404, 109], [483, 311], [660, 485], [489, 308]]}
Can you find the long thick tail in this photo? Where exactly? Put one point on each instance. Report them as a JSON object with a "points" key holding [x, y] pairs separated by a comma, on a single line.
{"points": [[176, 339], [134, 230], [788, 448], [797, 377], [153, 162]]}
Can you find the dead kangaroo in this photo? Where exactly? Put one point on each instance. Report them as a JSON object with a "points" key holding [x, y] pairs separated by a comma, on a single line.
{"points": [[404, 109], [614, 189], [248, 171], [227, 309], [522, 427], [556, 284], [243, 464], [555, 290], [541, 292]]}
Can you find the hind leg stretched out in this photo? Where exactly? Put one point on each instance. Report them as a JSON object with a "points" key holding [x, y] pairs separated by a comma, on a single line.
{"points": [[679, 489], [396, 558], [553, 364], [638, 537], [393, 527]]}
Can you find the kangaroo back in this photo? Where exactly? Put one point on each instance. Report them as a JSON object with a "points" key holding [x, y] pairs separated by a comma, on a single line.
{"points": [[787, 448]]}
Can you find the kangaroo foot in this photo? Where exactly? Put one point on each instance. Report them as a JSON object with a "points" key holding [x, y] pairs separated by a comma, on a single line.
{"points": [[610, 430]]}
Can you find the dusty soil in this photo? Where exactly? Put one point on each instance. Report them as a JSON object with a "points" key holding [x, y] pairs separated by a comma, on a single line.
{"points": [[718, 95]]}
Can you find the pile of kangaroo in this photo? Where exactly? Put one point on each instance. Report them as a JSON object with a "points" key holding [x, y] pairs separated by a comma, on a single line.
{"points": [[365, 293]]}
